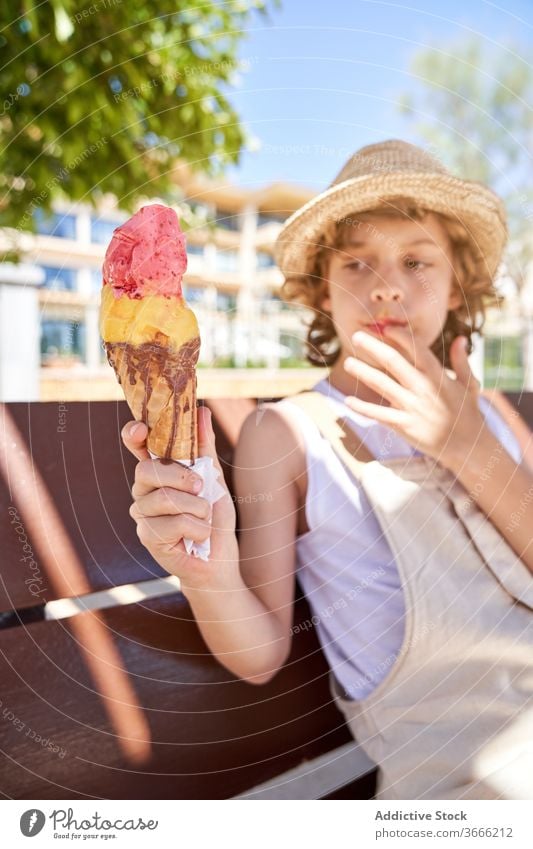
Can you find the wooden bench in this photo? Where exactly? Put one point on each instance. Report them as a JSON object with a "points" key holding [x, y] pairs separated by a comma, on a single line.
{"points": [[108, 690]]}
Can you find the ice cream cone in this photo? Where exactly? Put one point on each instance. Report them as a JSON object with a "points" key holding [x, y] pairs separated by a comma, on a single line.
{"points": [[152, 341], [160, 387]]}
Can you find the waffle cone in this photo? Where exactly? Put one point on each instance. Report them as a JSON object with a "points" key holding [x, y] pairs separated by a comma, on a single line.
{"points": [[160, 387], [180, 443]]}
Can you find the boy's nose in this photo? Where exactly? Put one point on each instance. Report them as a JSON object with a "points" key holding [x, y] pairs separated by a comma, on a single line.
{"points": [[386, 292]]}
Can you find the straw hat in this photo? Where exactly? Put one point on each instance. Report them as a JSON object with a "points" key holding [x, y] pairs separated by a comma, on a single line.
{"points": [[390, 169]]}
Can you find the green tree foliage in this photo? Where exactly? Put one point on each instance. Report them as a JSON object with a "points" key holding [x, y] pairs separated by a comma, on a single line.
{"points": [[473, 107], [106, 96]]}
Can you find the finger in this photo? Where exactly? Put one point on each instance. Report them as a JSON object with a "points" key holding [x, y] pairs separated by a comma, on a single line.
{"points": [[461, 366], [390, 359], [383, 336], [420, 356], [386, 415], [170, 502], [154, 474], [169, 530], [379, 381], [134, 435], [206, 438], [402, 339]]}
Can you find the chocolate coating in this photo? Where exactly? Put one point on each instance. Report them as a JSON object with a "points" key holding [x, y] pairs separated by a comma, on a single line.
{"points": [[154, 361]]}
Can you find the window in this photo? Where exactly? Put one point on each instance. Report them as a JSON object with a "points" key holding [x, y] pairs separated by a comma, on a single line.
{"points": [[62, 338], [195, 250], [227, 220], [270, 218], [227, 260], [294, 356], [226, 302], [56, 224], [280, 303], [97, 280], [265, 260], [199, 209], [193, 294], [504, 366], [60, 278], [102, 230]]}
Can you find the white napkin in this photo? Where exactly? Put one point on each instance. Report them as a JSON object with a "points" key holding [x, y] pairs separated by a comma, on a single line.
{"points": [[211, 491]]}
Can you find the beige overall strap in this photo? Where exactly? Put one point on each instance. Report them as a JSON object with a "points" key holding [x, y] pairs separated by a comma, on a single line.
{"points": [[344, 441]]}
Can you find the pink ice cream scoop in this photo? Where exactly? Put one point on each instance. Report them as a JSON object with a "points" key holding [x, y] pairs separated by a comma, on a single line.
{"points": [[147, 255]]}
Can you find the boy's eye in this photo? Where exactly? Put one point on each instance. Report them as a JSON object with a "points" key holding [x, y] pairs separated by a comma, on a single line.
{"points": [[410, 262], [415, 263]]}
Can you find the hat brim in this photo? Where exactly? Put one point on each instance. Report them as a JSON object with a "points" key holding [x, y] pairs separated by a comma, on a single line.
{"points": [[472, 204]]}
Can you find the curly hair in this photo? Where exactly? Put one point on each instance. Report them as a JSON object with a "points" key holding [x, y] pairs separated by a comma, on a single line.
{"points": [[471, 280]]}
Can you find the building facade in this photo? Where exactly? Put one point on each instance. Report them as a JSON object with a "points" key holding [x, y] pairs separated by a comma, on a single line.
{"points": [[231, 283], [231, 280]]}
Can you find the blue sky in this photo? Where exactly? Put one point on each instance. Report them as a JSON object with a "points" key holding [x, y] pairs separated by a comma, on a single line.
{"points": [[324, 78]]}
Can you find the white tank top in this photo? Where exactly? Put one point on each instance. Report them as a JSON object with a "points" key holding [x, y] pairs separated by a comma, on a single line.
{"points": [[344, 563]]}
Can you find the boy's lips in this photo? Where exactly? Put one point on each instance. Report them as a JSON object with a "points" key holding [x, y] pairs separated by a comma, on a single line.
{"points": [[380, 324]]}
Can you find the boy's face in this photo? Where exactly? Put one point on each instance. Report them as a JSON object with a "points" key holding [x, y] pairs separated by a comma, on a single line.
{"points": [[392, 268]]}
